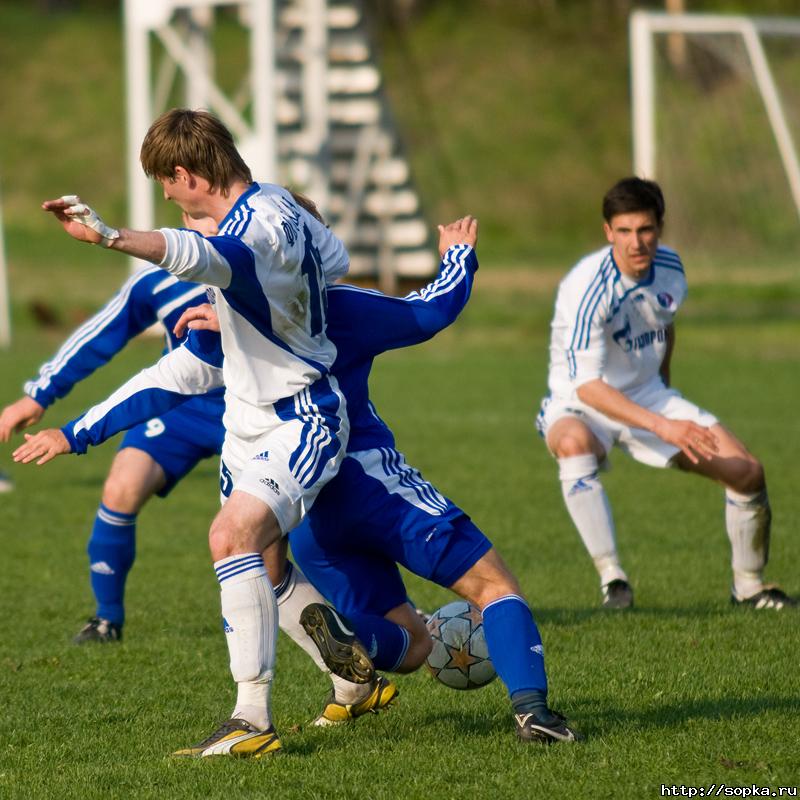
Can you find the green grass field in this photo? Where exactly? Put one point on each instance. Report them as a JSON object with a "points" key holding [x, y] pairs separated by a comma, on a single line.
{"points": [[683, 690]]}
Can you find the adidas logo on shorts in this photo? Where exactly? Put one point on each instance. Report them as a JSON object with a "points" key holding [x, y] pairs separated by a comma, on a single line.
{"points": [[271, 484]]}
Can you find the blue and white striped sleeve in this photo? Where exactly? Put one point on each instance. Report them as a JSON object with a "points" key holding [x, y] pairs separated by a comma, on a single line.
{"points": [[210, 260], [372, 323], [582, 307], [99, 339], [187, 371]]}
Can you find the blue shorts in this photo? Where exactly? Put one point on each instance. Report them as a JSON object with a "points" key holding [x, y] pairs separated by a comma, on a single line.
{"points": [[181, 438], [375, 514]]}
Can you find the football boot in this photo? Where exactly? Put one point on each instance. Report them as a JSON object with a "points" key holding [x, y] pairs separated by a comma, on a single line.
{"points": [[235, 737], [342, 652], [382, 695], [617, 594], [99, 630], [544, 727], [769, 597]]}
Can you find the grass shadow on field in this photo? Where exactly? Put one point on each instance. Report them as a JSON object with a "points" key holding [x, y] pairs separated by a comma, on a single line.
{"points": [[468, 724], [673, 715]]}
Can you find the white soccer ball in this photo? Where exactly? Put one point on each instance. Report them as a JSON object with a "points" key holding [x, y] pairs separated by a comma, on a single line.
{"points": [[460, 657]]}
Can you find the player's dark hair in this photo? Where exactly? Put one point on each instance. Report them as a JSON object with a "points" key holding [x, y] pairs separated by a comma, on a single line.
{"points": [[308, 204], [633, 194], [196, 141]]}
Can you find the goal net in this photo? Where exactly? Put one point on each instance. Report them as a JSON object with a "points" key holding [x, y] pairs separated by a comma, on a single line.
{"points": [[716, 120]]}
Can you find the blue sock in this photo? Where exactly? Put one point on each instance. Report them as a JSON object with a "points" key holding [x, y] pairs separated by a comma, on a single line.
{"points": [[386, 642], [112, 549], [515, 648]]}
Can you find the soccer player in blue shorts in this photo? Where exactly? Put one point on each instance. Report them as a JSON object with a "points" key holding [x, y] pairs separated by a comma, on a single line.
{"points": [[377, 511], [153, 456]]}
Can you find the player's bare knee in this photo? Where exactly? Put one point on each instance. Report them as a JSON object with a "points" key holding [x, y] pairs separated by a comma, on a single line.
{"points": [[121, 496], [750, 478], [225, 538], [570, 445]]}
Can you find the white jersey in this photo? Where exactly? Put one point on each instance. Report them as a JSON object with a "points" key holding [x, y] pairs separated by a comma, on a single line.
{"points": [[268, 268], [608, 326]]}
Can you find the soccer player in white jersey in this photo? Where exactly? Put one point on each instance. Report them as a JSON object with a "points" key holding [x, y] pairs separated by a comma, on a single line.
{"points": [[610, 350], [285, 420]]}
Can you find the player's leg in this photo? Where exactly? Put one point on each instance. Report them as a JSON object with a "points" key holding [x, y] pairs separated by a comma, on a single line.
{"points": [[295, 594], [514, 642], [243, 528], [132, 480], [270, 481], [579, 453], [153, 458], [747, 517]]}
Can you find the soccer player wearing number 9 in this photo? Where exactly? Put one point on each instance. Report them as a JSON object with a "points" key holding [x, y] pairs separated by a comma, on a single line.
{"points": [[153, 456], [610, 350], [285, 420]]}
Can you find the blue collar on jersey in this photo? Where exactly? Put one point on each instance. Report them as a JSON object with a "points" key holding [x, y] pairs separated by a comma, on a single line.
{"points": [[240, 200]]}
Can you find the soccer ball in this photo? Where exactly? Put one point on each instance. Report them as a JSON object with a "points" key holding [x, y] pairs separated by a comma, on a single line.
{"points": [[460, 657]]}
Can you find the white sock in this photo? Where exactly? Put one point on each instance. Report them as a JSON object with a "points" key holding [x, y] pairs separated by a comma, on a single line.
{"points": [[748, 519], [588, 505], [294, 594], [250, 616]]}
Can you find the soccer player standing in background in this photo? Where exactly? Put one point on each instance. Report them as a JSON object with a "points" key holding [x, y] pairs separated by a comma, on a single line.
{"points": [[610, 349], [285, 421]]}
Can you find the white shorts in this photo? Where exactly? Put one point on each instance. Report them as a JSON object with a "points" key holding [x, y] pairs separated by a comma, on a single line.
{"points": [[642, 445], [287, 464]]}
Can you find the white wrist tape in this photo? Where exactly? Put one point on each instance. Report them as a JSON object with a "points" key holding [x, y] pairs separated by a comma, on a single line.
{"points": [[87, 216]]}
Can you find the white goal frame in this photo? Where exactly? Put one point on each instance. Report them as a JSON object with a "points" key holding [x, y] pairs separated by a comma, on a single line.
{"points": [[644, 24]]}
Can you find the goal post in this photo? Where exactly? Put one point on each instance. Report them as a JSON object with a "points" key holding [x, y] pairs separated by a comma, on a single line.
{"points": [[717, 118]]}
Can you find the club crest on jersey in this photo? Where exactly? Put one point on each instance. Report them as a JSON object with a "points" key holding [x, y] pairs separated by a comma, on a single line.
{"points": [[665, 299]]}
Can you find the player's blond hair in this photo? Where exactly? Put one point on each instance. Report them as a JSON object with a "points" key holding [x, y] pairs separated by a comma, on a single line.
{"points": [[196, 141]]}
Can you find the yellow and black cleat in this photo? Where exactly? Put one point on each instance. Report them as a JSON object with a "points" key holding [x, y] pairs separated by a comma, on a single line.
{"points": [[382, 695], [235, 737]]}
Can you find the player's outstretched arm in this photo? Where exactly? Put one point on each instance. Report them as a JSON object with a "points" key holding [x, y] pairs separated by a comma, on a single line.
{"points": [[42, 447], [84, 224], [694, 440], [18, 415]]}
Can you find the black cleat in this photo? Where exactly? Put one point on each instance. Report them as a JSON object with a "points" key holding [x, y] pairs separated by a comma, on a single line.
{"points": [[342, 652], [617, 594], [544, 728], [769, 597], [99, 630]]}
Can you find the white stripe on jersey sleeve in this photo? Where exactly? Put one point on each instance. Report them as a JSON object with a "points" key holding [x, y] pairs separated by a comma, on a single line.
{"points": [[179, 372], [197, 291], [90, 329]]}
